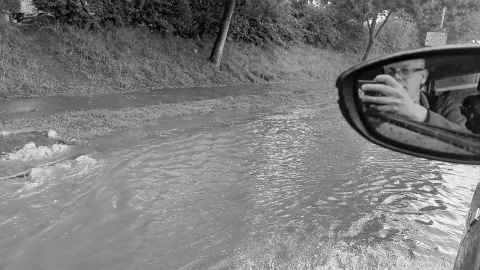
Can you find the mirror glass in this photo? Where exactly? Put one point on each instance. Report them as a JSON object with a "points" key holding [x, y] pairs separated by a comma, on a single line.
{"points": [[431, 103]]}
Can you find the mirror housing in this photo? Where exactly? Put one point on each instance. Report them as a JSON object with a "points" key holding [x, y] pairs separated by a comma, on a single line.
{"points": [[445, 65]]}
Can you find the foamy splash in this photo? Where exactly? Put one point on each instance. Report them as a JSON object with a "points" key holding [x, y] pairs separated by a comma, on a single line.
{"points": [[39, 176], [31, 151], [75, 166]]}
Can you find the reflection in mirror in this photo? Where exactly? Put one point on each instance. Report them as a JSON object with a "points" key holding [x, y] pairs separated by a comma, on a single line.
{"points": [[431, 103]]}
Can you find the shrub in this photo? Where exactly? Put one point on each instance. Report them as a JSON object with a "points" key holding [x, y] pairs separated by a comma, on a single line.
{"points": [[324, 27], [264, 22], [180, 17], [9, 6], [319, 27], [74, 12], [280, 22]]}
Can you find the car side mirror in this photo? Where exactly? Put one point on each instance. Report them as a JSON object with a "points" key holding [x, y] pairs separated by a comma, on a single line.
{"points": [[423, 102]]}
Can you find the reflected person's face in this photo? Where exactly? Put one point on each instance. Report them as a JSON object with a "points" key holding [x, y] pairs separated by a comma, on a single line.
{"points": [[411, 74]]}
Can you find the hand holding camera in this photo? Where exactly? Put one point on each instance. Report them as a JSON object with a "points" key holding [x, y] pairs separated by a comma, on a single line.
{"points": [[366, 91], [385, 94]]}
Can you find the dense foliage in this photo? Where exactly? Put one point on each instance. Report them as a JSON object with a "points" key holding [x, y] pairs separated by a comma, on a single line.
{"points": [[9, 6], [461, 19], [339, 24], [258, 22]]}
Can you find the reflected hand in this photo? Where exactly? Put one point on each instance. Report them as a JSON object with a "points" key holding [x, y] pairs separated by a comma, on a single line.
{"points": [[393, 98]]}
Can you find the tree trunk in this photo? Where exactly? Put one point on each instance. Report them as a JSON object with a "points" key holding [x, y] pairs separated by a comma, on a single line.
{"points": [[367, 50], [371, 37], [369, 47], [217, 52]]}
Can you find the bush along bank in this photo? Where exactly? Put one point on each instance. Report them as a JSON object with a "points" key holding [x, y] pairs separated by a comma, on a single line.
{"points": [[116, 46]]}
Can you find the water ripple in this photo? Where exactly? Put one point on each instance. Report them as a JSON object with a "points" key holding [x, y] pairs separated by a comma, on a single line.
{"points": [[186, 199]]}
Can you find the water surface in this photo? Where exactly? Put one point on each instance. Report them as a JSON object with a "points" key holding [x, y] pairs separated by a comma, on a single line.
{"points": [[190, 197]]}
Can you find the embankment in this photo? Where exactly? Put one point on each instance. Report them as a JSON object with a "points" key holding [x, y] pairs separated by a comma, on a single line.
{"points": [[61, 60]]}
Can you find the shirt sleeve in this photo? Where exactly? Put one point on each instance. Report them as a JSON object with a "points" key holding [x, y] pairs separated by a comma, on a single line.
{"points": [[446, 113], [439, 120]]}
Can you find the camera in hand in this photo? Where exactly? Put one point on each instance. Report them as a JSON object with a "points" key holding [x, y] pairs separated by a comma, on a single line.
{"points": [[370, 92]]}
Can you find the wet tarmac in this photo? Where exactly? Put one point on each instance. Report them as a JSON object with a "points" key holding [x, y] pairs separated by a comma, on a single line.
{"points": [[45, 106]]}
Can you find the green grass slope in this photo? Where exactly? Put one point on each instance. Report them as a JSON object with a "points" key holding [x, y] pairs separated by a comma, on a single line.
{"points": [[63, 60]]}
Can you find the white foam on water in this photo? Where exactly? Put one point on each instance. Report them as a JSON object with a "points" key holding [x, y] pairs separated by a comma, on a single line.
{"points": [[40, 176], [31, 151], [73, 167]]}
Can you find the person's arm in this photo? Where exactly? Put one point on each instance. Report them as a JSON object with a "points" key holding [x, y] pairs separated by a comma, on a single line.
{"points": [[393, 98], [445, 112], [396, 100], [438, 120]]}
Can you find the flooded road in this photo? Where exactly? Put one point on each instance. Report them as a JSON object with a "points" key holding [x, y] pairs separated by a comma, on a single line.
{"points": [[199, 195]]}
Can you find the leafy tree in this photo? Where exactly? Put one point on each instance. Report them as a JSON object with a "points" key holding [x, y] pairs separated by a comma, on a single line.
{"points": [[373, 14], [471, 29], [460, 16], [8, 6], [256, 22], [337, 24], [268, 21]]}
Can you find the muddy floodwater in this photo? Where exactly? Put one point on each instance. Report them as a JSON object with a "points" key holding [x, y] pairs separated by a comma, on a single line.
{"points": [[196, 194]]}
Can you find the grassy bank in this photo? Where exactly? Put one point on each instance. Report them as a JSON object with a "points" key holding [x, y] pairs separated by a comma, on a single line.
{"points": [[64, 60]]}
